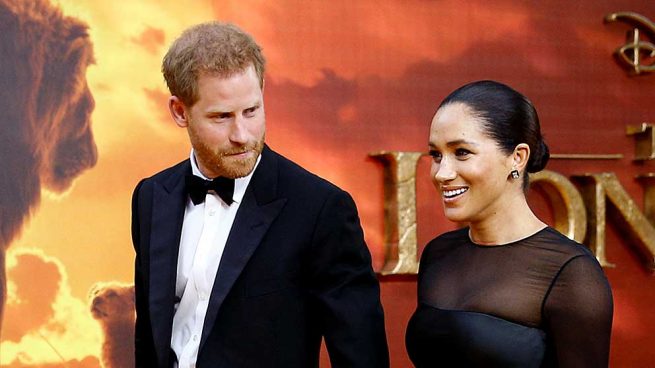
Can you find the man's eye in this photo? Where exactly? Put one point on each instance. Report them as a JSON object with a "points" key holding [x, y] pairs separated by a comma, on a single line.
{"points": [[221, 116], [250, 111]]}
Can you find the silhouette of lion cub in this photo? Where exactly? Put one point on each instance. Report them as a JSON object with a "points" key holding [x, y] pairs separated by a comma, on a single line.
{"points": [[112, 305]]}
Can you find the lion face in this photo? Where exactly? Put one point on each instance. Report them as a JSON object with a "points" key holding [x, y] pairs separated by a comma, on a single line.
{"points": [[45, 104], [69, 147], [112, 302], [72, 150]]}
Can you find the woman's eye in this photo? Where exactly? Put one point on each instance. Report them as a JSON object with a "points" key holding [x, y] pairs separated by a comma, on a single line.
{"points": [[461, 152], [436, 155]]}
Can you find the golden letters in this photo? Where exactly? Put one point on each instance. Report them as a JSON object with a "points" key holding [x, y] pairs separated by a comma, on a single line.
{"points": [[568, 206], [400, 242], [644, 141], [638, 230], [580, 213]]}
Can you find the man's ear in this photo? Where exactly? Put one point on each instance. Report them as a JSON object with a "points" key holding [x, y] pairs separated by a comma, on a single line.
{"points": [[178, 111], [520, 156]]}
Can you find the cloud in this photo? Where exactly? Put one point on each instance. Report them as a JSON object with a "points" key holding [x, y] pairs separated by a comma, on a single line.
{"points": [[88, 362], [63, 329], [151, 39], [158, 101], [331, 124], [367, 37], [30, 298]]}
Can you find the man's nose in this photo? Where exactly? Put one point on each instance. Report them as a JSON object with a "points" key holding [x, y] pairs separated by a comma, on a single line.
{"points": [[239, 133]]}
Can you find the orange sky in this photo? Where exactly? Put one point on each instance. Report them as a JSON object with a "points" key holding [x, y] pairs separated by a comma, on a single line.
{"points": [[88, 229], [345, 78]]}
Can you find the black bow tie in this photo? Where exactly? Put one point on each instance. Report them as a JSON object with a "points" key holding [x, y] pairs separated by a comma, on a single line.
{"points": [[198, 187]]}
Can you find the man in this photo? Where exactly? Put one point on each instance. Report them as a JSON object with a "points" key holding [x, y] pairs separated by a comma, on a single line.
{"points": [[254, 271]]}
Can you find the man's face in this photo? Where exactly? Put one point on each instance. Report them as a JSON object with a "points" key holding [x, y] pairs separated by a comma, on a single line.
{"points": [[227, 125]]}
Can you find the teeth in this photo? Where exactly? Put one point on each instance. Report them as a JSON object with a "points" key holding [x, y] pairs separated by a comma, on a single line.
{"points": [[454, 192]]}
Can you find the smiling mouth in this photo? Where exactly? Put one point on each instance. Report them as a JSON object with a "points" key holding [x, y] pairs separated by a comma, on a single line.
{"points": [[450, 194]]}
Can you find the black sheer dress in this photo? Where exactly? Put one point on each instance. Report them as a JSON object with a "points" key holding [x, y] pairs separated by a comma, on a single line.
{"points": [[542, 301]]}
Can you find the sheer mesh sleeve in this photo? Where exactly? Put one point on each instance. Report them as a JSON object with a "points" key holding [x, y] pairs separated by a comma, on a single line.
{"points": [[577, 314]]}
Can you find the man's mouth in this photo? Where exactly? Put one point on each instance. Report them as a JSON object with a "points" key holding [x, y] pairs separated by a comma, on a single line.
{"points": [[237, 154]]}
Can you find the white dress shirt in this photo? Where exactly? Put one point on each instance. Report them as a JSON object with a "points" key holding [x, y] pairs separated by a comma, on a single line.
{"points": [[204, 234]]}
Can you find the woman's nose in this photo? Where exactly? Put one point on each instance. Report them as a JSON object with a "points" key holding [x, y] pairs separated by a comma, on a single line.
{"points": [[444, 171]]}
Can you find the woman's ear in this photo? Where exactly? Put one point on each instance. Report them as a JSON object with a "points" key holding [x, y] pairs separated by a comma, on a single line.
{"points": [[520, 157], [178, 111]]}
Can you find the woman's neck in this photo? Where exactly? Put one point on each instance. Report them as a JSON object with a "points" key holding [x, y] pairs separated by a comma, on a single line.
{"points": [[513, 222]]}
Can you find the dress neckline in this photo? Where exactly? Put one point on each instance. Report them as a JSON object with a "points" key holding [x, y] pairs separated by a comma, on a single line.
{"points": [[509, 244]]}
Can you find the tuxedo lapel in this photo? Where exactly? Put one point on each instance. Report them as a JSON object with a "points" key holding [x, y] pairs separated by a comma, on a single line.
{"points": [[169, 200], [259, 208]]}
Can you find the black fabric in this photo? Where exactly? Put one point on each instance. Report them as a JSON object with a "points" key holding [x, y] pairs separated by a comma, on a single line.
{"points": [[198, 188], [539, 302], [295, 269]]}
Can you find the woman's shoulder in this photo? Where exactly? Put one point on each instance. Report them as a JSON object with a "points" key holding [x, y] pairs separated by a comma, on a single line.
{"points": [[447, 240], [552, 240], [451, 236], [554, 250]]}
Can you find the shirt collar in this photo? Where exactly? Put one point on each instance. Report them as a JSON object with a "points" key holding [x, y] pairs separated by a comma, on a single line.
{"points": [[240, 184]]}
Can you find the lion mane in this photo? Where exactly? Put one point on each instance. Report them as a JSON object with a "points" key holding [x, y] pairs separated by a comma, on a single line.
{"points": [[45, 111]]}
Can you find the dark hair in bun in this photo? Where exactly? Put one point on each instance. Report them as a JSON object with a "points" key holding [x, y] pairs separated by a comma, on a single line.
{"points": [[507, 117]]}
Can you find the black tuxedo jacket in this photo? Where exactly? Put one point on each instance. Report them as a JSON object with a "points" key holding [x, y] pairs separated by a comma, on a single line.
{"points": [[295, 268]]}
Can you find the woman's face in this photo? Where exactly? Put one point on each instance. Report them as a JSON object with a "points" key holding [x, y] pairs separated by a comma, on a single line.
{"points": [[468, 169]]}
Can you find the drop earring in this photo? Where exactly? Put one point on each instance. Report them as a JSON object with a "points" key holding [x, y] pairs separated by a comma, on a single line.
{"points": [[515, 174]]}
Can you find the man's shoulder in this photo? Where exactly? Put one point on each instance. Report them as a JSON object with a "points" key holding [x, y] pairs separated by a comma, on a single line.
{"points": [[295, 177], [177, 170]]}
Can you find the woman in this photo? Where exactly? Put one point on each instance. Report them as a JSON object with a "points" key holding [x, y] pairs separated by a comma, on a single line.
{"points": [[507, 290]]}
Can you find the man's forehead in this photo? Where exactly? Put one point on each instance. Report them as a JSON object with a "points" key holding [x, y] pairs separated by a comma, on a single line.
{"points": [[224, 72]]}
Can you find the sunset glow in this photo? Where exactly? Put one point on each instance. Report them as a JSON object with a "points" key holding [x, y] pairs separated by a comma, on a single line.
{"points": [[344, 79]]}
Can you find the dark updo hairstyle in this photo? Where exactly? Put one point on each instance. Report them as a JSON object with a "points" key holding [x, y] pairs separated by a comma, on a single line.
{"points": [[507, 117]]}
